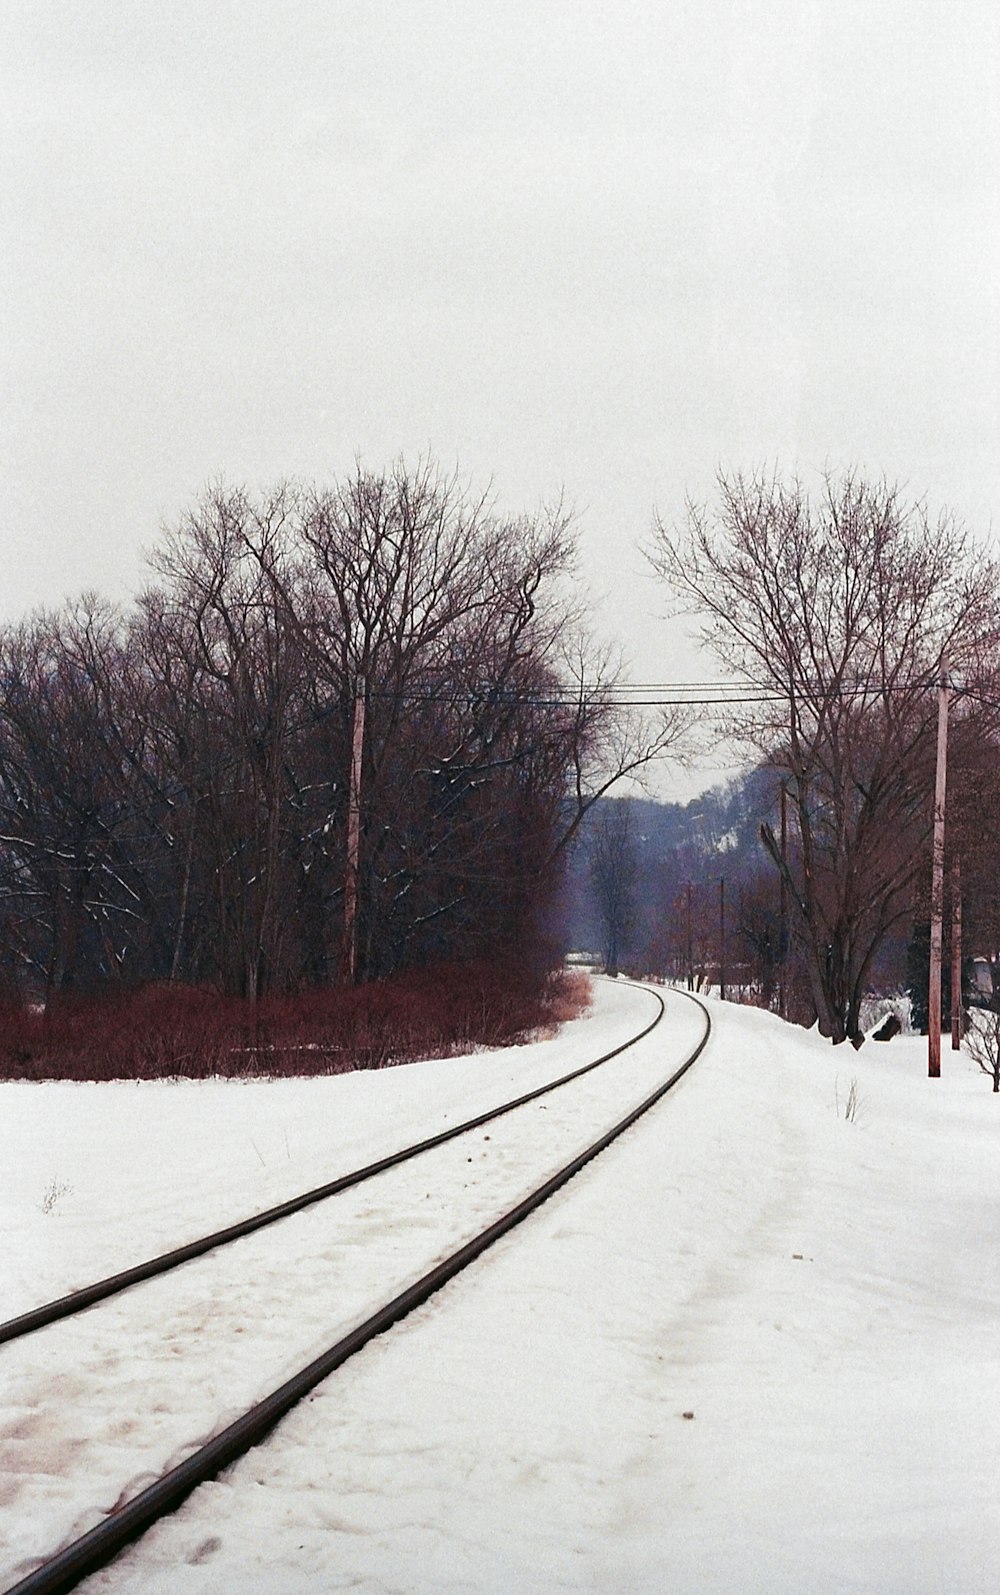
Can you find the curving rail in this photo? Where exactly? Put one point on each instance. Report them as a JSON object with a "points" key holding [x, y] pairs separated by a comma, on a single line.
{"points": [[77, 1301], [61, 1572]]}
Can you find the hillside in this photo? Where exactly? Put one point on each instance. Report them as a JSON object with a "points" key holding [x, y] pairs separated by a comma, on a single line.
{"points": [[715, 835]]}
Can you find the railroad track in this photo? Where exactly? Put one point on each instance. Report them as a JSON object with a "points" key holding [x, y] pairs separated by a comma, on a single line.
{"points": [[326, 1267]]}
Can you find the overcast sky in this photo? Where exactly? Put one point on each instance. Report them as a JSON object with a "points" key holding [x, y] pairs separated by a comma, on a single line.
{"points": [[594, 248]]}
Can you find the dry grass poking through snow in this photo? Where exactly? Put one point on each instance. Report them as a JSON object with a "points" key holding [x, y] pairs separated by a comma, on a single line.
{"points": [[163, 1031], [567, 996]]}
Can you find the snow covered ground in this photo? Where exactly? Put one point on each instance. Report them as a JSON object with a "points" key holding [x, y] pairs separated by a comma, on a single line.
{"points": [[753, 1348]]}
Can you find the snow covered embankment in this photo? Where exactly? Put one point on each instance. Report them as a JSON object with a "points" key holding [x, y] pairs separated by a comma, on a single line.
{"points": [[820, 1293]]}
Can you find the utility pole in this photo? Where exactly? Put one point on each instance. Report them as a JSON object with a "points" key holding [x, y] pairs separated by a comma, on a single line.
{"points": [[937, 884], [690, 944], [783, 910], [722, 937], [956, 955], [349, 958]]}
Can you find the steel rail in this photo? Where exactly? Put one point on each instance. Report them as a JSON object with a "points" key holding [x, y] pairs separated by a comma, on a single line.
{"points": [[61, 1573], [77, 1301]]}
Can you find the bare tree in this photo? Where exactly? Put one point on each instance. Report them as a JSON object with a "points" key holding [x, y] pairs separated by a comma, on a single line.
{"points": [[614, 876], [608, 738], [242, 685], [982, 1042], [359, 712], [758, 939], [460, 632], [837, 618], [72, 739]]}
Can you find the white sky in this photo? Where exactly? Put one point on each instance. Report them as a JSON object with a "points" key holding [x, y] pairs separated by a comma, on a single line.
{"points": [[602, 248]]}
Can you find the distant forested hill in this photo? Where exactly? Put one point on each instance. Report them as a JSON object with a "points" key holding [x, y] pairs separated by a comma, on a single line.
{"points": [[715, 836]]}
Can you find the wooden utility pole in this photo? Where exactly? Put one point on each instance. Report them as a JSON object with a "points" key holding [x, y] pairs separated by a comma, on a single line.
{"points": [[690, 944], [956, 955], [937, 885], [349, 958], [722, 937], [783, 910]]}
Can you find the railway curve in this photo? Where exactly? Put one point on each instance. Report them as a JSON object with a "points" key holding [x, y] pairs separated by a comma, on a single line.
{"points": [[85, 1296], [130, 1517]]}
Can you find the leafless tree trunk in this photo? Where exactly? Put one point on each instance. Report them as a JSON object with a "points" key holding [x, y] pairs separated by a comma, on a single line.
{"points": [[614, 875], [244, 671]]}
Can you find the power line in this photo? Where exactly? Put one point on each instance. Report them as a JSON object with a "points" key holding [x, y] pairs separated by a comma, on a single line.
{"points": [[685, 694]]}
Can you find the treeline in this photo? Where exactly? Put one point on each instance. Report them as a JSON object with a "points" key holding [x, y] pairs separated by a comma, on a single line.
{"points": [[343, 732], [349, 731]]}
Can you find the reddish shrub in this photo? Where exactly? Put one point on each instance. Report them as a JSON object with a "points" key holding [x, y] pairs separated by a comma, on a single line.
{"points": [[159, 1031]]}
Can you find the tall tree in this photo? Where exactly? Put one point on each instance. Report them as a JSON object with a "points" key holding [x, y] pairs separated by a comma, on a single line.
{"points": [[837, 616], [458, 632], [72, 740], [358, 716], [613, 875], [243, 677]]}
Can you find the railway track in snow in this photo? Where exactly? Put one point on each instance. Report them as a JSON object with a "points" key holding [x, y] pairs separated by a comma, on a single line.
{"points": [[192, 1370]]}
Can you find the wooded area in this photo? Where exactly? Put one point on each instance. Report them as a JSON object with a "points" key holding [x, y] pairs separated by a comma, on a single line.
{"points": [[344, 731], [353, 730]]}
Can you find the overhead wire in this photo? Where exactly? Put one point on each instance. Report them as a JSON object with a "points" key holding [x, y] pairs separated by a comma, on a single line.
{"points": [[682, 694]]}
